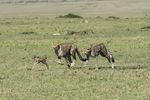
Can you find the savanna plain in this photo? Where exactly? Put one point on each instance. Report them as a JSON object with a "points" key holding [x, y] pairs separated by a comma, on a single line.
{"points": [[23, 37]]}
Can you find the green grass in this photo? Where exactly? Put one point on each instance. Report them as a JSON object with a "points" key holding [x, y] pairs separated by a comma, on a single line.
{"points": [[123, 37]]}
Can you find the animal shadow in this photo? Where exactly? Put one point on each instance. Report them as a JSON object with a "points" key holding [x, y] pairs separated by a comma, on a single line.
{"points": [[119, 67]]}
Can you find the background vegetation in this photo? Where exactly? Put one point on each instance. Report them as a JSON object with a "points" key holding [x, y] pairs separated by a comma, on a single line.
{"points": [[105, 8]]}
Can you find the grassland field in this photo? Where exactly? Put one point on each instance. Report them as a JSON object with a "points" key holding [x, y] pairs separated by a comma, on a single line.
{"points": [[124, 37]]}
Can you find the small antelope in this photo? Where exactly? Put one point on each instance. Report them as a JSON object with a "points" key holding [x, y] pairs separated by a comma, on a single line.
{"points": [[42, 60]]}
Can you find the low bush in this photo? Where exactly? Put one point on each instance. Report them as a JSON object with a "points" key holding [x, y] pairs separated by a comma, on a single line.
{"points": [[84, 32], [28, 33], [146, 27], [70, 15]]}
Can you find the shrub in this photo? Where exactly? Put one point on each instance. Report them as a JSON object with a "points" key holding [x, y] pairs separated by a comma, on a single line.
{"points": [[84, 32], [28, 33], [113, 17], [146, 27], [70, 15]]}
